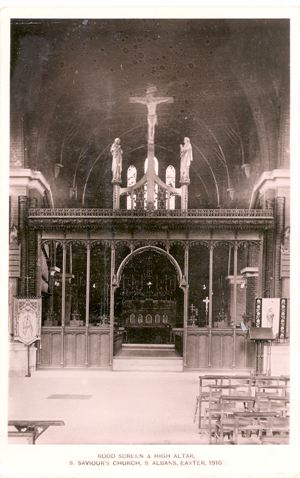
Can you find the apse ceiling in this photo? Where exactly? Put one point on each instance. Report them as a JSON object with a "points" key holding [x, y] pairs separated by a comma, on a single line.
{"points": [[71, 81]]}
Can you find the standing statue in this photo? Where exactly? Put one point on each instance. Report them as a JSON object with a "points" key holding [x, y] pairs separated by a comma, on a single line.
{"points": [[186, 156], [151, 102], [116, 166]]}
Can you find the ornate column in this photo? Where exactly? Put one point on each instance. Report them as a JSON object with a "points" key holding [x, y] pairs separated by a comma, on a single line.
{"points": [[184, 195], [210, 295], [52, 254], [38, 278], [185, 302], [268, 286], [116, 194], [235, 251], [23, 202], [24, 274], [279, 230], [32, 252], [87, 301], [261, 271], [112, 301], [63, 304]]}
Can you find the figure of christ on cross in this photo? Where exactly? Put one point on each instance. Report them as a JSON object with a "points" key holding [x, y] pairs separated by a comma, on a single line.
{"points": [[206, 301], [151, 102]]}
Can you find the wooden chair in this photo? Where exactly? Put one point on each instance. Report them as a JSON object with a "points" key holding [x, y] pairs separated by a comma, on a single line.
{"points": [[249, 424], [224, 399], [205, 381], [229, 407]]}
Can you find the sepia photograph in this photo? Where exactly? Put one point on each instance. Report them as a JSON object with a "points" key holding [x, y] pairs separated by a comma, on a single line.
{"points": [[149, 239]]}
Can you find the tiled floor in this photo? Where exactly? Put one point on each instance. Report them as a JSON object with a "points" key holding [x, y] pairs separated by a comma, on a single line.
{"points": [[103, 407]]}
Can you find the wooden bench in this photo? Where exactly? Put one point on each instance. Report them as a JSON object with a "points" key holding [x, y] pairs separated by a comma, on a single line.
{"points": [[32, 429]]}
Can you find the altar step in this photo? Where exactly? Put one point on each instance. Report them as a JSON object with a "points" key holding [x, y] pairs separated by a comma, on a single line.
{"points": [[148, 357], [135, 364]]}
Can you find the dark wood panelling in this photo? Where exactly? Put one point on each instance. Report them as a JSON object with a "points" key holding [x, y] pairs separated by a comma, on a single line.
{"points": [[203, 351], [222, 349], [80, 350], [241, 350], [216, 356], [56, 349], [227, 357], [74, 347]]}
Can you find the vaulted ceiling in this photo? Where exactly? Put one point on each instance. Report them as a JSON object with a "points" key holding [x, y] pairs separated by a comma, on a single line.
{"points": [[70, 86]]}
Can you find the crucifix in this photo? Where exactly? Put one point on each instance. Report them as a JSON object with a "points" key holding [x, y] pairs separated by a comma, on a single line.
{"points": [[206, 301], [151, 102]]}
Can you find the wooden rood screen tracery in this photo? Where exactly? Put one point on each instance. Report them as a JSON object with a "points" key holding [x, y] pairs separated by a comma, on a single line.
{"points": [[81, 337]]}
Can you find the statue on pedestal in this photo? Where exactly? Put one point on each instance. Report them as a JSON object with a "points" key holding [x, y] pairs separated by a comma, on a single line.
{"points": [[116, 166], [186, 156]]}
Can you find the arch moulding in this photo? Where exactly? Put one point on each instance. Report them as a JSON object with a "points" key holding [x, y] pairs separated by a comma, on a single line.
{"points": [[158, 250]]}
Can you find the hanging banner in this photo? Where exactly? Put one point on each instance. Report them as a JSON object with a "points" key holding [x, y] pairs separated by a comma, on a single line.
{"points": [[272, 313], [27, 320]]}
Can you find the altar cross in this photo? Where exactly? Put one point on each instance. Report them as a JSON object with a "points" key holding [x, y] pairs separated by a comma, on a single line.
{"points": [[194, 310], [206, 301]]}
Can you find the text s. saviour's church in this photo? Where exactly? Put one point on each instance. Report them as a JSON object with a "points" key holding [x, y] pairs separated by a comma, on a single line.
{"points": [[149, 193]]}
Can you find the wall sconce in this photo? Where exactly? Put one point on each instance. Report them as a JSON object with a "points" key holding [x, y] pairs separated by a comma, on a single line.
{"points": [[57, 168], [246, 168], [73, 193], [231, 193]]}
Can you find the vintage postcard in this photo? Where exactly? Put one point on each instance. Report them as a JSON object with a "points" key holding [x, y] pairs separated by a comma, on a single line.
{"points": [[150, 300]]}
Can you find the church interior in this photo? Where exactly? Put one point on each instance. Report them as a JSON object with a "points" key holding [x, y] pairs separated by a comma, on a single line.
{"points": [[149, 206]]}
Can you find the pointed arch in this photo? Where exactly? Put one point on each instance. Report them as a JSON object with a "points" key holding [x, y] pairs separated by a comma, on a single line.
{"points": [[159, 250], [171, 181], [131, 181]]}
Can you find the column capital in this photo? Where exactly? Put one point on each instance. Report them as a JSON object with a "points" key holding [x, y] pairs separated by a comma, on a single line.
{"points": [[22, 181], [277, 180], [249, 272]]}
